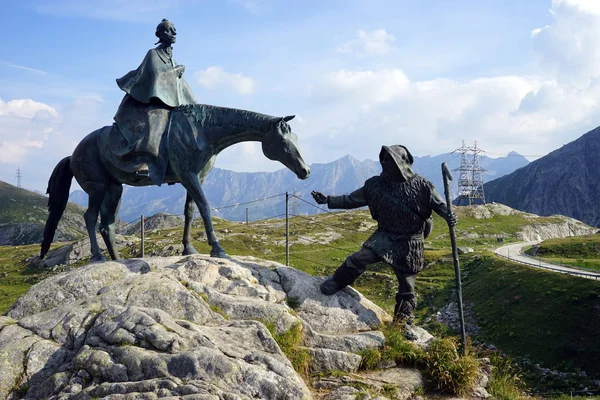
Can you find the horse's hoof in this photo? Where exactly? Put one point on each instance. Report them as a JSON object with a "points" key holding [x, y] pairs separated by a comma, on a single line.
{"points": [[218, 253], [97, 258], [189, 250]]}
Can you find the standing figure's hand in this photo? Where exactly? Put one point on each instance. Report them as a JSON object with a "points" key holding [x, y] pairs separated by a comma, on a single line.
{"points": [[452, 219], [319, 197], [180, 70]]}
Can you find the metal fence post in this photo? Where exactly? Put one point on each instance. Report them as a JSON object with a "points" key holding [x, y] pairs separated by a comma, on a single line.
{"points": [[287, 229], [246, 215], [142, 234]]}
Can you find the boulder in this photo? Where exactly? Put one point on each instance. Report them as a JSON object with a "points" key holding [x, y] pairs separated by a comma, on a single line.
{"points": [[184, 327]]}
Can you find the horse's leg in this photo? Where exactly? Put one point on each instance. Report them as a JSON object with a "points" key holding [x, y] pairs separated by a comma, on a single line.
{"points": [[187, 229], [192, 185], [96, 193], [108, 211]]}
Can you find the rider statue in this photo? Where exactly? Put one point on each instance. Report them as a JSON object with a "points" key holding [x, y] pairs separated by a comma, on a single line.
{"points": [[401, 202], [151, 90]]}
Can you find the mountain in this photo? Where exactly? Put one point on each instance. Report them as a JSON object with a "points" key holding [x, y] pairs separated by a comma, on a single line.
{"points": [[430, 166], [23, 216], [224, 188], [566, 181]]}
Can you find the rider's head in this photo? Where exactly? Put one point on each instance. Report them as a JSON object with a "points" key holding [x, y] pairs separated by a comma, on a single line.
{"points": [[165, 32]]}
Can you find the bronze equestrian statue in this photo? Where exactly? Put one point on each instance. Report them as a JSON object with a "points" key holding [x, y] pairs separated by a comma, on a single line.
{"points": [[401, 202], [160, 136]]}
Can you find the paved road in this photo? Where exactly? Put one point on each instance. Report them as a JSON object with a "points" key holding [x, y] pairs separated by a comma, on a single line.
{"points": [[513, 252]]}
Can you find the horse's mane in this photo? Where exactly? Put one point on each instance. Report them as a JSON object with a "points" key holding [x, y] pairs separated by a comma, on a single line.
{"points": [[207, 115]]}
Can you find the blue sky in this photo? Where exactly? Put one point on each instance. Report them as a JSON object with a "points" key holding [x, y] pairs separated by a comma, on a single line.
{"points": [[513, 75]]}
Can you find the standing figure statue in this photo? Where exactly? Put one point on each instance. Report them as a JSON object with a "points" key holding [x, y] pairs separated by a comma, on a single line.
{"points": [[401, 202], [151, 91]]}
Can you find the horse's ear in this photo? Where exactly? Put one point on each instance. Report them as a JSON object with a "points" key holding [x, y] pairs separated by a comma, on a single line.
{"points": [[288, 118]]}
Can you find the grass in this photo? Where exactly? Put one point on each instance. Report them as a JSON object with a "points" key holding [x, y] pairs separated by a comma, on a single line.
{"points": [[441, 364], [520, 310], [579, 251], [446, 370], [506, 382], [289, 342], [548, 317]]}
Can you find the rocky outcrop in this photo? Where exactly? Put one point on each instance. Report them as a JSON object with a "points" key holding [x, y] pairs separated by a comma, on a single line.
{"points": [[178, 326], [563, 182], [534, 227], [565, 228]]}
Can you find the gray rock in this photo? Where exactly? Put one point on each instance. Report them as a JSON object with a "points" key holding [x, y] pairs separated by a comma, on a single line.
{"points": [[179, 327], [353, 343], [465, 250], [343, 393], [344, 312], [323, 360], [406, 380]]}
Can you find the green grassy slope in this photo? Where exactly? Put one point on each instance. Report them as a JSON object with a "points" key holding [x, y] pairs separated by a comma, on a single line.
{"points": [[580, 251], [537, 314], [20, 206]]}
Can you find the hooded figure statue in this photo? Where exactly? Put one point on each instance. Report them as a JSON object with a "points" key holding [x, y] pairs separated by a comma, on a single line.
{"points": [[402, 203], [151, 90]]}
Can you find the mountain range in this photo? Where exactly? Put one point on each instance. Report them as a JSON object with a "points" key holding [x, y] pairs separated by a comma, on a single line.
{"points": [[224, 189], [566, 181]]}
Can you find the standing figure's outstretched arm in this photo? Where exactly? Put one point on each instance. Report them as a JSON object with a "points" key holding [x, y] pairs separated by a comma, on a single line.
{"points": [[355, 199]]}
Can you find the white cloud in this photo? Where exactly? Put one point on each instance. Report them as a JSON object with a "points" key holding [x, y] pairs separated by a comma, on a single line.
{"points": [[215, 76], [367, 87], [25, 124], [569, 48], [35, 135], [374, 42], [586, 6], [27, 108], [530, 114], [361, 109]]}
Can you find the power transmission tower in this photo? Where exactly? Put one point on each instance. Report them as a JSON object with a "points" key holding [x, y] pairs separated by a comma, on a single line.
{"points": [[19, 175], [470, 181]]}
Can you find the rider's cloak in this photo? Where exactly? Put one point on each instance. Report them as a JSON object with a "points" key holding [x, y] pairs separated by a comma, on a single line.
{"points": [[157, 78], [152, 90]]}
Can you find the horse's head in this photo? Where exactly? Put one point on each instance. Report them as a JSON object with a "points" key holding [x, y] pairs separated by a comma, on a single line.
{"points": [[280, 144]]}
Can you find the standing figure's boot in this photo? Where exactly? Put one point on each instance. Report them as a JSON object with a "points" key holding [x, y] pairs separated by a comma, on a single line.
{"points": [[330, 286], [403, 313], [345, 275]]}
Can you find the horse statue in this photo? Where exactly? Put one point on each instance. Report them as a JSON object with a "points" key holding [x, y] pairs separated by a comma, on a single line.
{"points": [[194, 135]]}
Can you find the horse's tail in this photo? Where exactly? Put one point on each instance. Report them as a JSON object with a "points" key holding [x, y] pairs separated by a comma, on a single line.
{"points": [[58, 191]]}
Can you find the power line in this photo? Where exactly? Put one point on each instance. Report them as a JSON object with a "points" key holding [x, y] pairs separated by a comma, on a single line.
{"points": [[247, 202]]}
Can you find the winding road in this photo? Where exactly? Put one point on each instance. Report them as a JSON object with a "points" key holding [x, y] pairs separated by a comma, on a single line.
{"points": [[513, 252]]}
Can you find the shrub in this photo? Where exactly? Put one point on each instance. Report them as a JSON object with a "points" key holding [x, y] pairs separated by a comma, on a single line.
{"points": [[400, 350], [289, 342], [370, 359], [446, 371], [505, 382]]}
